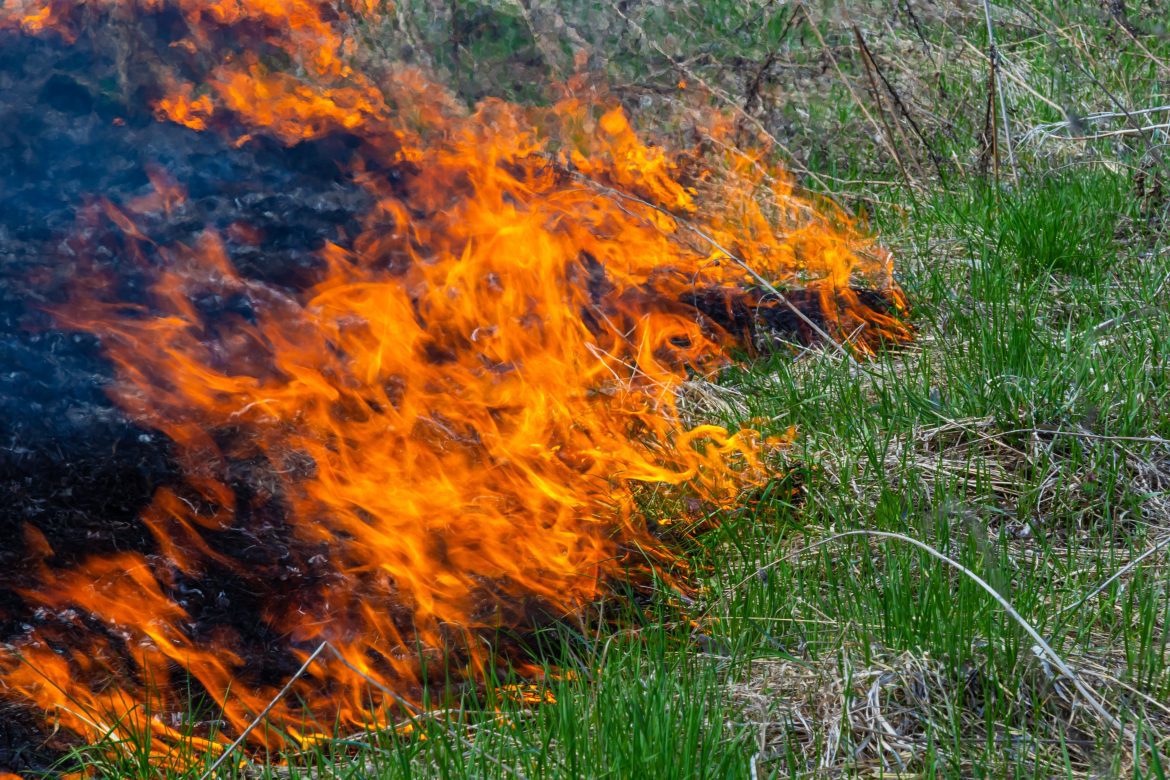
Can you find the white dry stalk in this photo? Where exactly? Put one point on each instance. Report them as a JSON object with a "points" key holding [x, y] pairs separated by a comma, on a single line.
{"points": [[760, 279], [1042, 647], [1115, 576], [263, 713], [1044, 132], [391, 694]]}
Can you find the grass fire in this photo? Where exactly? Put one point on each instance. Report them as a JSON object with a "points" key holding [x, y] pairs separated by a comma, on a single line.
{"points": [[559, 389], [435, 433]]}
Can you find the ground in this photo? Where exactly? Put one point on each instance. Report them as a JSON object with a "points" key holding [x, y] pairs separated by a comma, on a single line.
{"points": [[1024, 435]]}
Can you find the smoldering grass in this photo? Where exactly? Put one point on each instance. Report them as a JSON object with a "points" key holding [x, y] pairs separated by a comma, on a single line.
{"points": [[1022, 435]]}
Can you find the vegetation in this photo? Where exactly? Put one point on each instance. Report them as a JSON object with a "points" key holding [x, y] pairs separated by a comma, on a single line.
{"points": [[1025, 435]]}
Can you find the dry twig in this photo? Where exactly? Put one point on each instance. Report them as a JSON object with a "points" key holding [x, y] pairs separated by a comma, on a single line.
{"points": [[1042, 646], [995, 68]]}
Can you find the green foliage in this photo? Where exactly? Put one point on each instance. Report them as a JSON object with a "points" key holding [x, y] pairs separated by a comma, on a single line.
{"points": [[1064, 223]]}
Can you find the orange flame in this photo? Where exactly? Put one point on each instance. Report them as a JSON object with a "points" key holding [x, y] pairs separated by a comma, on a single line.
{"points": [[459, 418]]}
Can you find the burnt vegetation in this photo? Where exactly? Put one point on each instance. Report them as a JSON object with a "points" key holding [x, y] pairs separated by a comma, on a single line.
{"points": [[90, 487], [1010, 154]]}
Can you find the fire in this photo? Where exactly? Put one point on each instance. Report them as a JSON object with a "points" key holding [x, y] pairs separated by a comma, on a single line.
{"points": [[450, 431]]}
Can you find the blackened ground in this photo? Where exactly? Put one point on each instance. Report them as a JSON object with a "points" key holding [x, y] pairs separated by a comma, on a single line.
{"points": [[72, 466], [764, 323]]}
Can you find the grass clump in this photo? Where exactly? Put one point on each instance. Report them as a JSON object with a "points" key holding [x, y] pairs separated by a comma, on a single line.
{"points": [[1065, 224]]}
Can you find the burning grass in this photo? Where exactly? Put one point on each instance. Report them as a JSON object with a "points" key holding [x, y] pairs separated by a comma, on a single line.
{"points": [[439, 432], [1024, 434]]}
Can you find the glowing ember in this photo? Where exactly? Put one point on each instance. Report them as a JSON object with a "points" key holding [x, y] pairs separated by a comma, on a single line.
{"points": [[452, 423]]}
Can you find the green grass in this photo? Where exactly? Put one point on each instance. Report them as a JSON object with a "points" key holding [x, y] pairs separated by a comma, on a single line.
{"points": [[953, 444], [1023, 434], [628, 719]]}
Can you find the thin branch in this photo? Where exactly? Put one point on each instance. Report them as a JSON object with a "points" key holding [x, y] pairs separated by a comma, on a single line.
{"points": [[1140, 130], [760, 279], [1050, 129], [418, 713], [264, 713], [389, 693], [995, 68], [899, 103], [1078, 435], [1094, 703], [727, 99], [1116, 575], [867, 63], [1017, 79], [856, 99]]}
